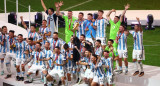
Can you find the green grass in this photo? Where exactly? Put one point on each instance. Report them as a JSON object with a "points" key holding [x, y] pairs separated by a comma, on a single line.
{"points": [[92, 5], [150, 37]]}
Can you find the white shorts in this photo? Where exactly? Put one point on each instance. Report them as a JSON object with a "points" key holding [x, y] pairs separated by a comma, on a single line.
{"points": [[20, 61], [2, 55], [34, 68], [90, 40], [10, 56], [103, 40], [69, 70], [123, 53], [30, 63], [99, 80], [137, 54], [88, 74], [109, 80], [54, 72]]}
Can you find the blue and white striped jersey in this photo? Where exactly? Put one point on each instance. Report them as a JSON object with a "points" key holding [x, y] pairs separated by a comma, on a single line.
{"points": [[122, 41], [3, 47], [98, 51], [37, 56], [34, 35], [20, 48], [69, 62], [81, 29], [42, 31], [9, 42], [108, 62], [54, 43], [59, 60], [71, 45], [138, 40], [30, 48], [101, 27], [48, 54], [99, 71]]}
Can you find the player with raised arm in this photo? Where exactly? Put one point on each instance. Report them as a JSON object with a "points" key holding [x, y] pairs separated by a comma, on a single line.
{"points": [[31, 32], [138, 49]]}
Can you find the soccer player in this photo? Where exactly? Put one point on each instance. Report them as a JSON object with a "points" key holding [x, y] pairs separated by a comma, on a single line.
{"points": [[54, 42], [69, 21], [98, 49], [20, 57], [108, 65], [114, 28], [31, 32], [3, 47], [89, 28], [11, 52], [30, 47], [122, 47], [44, 31], [88, 76], [51, 19], [80, 28], [70, 44], [99, 74], [38, 64], [59, 61], [69, 62], [101, 24], [138, 48]]}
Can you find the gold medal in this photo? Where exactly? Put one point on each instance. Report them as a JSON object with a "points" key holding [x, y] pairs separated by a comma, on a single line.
{"points": [[67, 60], [87, 29]]}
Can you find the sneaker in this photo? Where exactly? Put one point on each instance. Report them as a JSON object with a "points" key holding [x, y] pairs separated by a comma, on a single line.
{"points": [[8, 76], [22, 78], [120, 71], [77, 80], [42, 80], [45, 85], [59, 83], [2, 73], [17, 78], [141, 74], [136, 73], [126, 72], [27, 82]]}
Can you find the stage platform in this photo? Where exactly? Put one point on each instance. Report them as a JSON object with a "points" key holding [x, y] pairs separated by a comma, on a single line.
{"points": [[151, 78]]}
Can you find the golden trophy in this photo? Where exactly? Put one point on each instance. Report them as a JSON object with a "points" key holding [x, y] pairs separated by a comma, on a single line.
{"points": [[12, 46], [75, 26]]}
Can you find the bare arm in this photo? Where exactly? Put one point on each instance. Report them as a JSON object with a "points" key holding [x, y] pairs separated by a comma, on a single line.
{"points": [[23, 23], [139, 24], [126, 8], [109, 13], [58, 5], [43, 5]]}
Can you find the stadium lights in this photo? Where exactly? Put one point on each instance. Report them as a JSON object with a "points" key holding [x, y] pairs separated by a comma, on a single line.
{"points": [[150, 21]]}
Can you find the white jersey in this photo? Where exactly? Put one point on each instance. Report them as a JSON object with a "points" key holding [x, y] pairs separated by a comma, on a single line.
{"points": [[122, 41], [54, 43], [81, 28], [20, 48], [4, 46], [48, 54], [37, 56], [138, 40], [9, 42], [59, 60], [101, 27]]}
